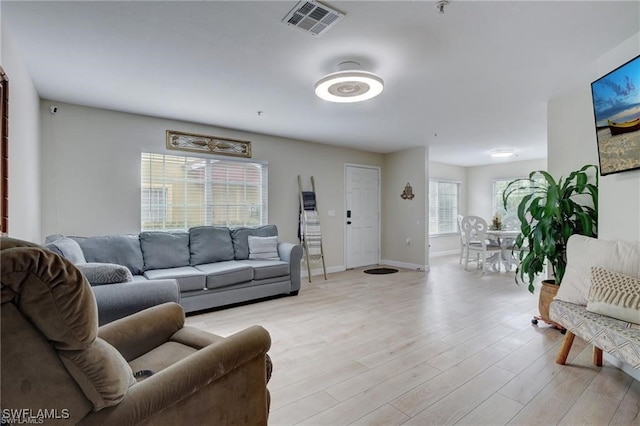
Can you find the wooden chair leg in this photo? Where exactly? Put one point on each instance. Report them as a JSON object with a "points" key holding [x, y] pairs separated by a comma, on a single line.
{"points": [[597, 356], [563, 353]]}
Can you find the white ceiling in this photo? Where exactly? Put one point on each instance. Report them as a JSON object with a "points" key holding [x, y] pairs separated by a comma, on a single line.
{"points": [[473, 79]]}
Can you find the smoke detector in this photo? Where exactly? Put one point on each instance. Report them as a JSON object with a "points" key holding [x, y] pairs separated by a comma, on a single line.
{"points": [[312, 17], [349, 84]]}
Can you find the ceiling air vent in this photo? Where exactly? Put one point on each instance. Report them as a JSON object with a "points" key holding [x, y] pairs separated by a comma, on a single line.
{"points": [[312, 17]]}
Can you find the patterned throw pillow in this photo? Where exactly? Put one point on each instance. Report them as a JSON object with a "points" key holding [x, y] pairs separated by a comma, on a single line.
{"points": [[614, 295], [105, 273]]}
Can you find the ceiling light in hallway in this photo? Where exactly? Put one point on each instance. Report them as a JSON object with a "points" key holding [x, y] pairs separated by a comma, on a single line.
{"points": [[501, 153]]}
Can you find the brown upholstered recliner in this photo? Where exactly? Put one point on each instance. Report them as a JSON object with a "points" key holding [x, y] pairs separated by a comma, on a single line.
{"points": [[58, 366]]}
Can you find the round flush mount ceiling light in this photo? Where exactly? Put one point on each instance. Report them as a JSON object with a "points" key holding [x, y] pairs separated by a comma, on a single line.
{"points": [[501, 153], [350, 84]]}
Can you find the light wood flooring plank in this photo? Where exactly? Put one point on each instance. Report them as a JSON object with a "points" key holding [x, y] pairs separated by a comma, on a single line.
{"points": [[383, 416], [629, 409], [431, 391], [536, 374], [496, 410], [311, 385], [301, 409], [382, 373], [591, 408], [459, 403], [463, 351], [373, 398], [552, 403]]}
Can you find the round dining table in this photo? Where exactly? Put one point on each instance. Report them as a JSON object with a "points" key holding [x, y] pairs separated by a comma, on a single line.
{"points": [[504, 237]]}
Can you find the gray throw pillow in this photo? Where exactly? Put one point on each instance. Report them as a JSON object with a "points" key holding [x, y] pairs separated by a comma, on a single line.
{"points": [[105, 273], [209, 244], [123, 249], [163, 250], [263, 248], [240, 238], [67, 248]]}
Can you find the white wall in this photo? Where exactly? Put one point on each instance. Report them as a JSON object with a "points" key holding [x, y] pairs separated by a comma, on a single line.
{"points": [[572, 143], [480, 183], [448, 244], [402, 219], [92, 170], [24, 146]]}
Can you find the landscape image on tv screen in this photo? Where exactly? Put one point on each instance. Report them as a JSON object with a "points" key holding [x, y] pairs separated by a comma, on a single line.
{"points": [[616, 107]]}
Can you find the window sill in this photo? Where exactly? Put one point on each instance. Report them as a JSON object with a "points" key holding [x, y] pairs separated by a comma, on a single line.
{"points": [[449, 234]]}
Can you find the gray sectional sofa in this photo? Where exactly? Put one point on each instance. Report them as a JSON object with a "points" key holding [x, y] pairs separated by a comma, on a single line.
{"points": [[212, 266]]}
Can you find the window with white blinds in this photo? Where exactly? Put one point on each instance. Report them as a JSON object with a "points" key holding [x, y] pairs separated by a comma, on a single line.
{"points": [[444, 202], [180, 192], [499, 185]]}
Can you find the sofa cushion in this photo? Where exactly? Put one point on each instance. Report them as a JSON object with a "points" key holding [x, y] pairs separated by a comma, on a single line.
{"points": [[208, 244], [263, 269], [162, 250], [68, 248], [105, 273], [583, 253], [240, 238], [221, 274], [123, 249], [263, 248], [614, 295], [188, 277]]}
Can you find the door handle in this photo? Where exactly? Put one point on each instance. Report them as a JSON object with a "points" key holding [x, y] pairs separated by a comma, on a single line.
{"points": [[348, 222]]}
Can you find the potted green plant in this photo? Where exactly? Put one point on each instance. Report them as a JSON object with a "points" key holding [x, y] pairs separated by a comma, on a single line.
{"points": [[549, 213]]}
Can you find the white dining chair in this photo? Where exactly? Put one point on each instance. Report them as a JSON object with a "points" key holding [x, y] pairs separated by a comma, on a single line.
{"points": [[476, 241], [511, 223], [463, 243]]}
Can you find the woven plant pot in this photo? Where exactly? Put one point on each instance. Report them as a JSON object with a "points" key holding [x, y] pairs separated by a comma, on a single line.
{"points": [[548, 291]]}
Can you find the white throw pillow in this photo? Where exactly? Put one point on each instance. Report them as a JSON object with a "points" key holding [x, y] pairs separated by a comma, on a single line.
{"points": [[614, 295], [263, 248], [583, 253]]}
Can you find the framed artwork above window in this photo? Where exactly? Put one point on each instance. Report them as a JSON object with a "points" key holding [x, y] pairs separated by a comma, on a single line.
{"points": [[194, 142]]}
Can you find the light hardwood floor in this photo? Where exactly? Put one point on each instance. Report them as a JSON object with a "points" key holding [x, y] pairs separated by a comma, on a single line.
{"points": [[444, 347]]}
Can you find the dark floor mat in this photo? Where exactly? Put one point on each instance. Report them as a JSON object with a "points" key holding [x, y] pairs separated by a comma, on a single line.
{"points": [[380, 271]]}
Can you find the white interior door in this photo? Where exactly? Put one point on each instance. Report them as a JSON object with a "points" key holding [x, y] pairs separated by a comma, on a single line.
{"points": [[362, 216]]}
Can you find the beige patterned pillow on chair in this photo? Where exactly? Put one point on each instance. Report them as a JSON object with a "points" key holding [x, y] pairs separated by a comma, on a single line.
{"points": [[614, 295]]}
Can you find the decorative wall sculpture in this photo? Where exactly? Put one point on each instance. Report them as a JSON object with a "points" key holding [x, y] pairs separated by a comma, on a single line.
{"points": [[407, 193]]}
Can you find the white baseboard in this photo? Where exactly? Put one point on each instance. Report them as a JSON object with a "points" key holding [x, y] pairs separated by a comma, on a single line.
{"points": [[443, 253], [319, 271], [622, 365], [342, 268], [414, 266]]}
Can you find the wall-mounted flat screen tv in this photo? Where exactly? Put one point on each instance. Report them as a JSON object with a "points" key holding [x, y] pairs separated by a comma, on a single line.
{"points": [[616, 107]]}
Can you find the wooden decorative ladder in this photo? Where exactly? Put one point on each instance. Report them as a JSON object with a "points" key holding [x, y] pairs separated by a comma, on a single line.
{"points": [[310, 233]]}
